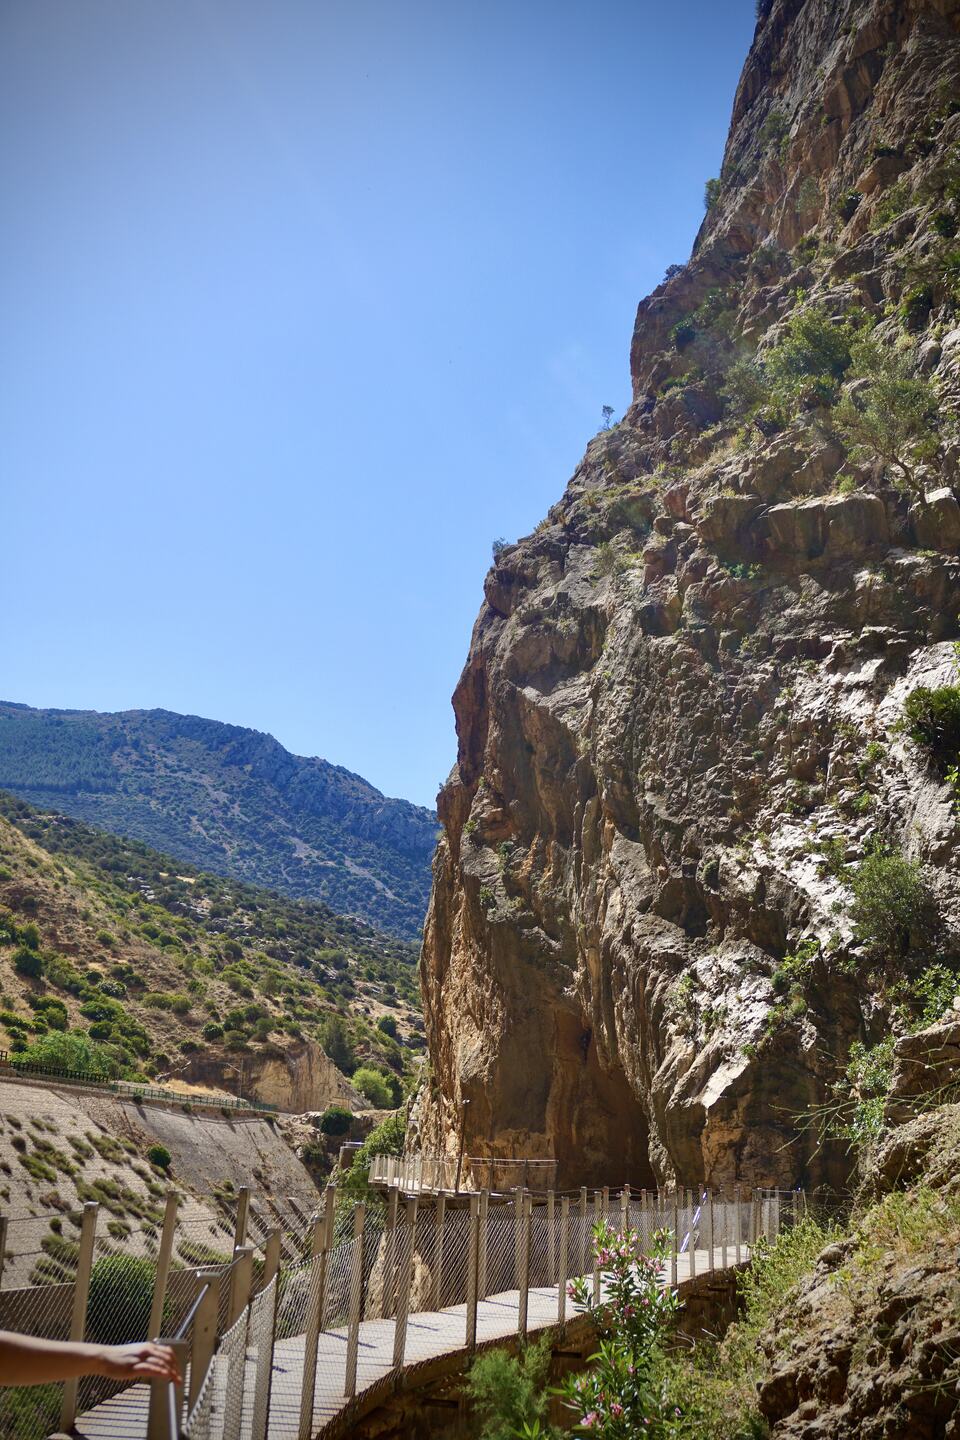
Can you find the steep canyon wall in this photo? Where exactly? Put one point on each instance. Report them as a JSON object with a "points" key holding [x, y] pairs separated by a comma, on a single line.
{"points": [[682, 696]]}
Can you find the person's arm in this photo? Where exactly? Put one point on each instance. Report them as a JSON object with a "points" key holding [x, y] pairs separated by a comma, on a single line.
{"points": [[25, 1360]]}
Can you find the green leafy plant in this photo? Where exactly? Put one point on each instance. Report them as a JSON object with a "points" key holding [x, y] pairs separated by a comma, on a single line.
{"points": [[892, 416], [711, 193], [893, 907], [932, 719], [160, 1156], [121, 1294], [375, 1086], [509, 1393], [335, 1120], [619, 1396]]}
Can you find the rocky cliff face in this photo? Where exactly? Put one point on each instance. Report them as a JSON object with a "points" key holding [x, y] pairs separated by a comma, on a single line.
{"points": [[678, 722]]}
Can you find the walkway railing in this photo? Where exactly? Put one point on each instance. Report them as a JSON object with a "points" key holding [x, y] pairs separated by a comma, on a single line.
{"points": [[286, 1333], [128, 1089], [407, 1283], [420, 1174]]}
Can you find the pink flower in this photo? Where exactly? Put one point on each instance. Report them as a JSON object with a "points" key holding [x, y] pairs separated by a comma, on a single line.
{"points": [[589, 1420], [616, 1410]]}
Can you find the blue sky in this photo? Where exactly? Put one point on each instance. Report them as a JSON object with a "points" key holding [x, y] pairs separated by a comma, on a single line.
{"points": [[305, 303]]}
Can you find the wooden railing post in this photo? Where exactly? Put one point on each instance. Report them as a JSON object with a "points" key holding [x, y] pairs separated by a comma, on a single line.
{"points": [[551, 1238], [523, 1276], [271, 1257], [263, 1380], [597, 1204], [165, 1407], [441, 1217], [243, 1213], [644, 1220], [564, 1261], [582, 1270], [517, 1229], [692, 1244], [482, 1251], [78, 1317], [164, 1257], [356, 1304], [3, 1245], [737, 1210], [241, 1283], [204, 1338], [473, 1254], [710, 1237], [675, 1242], [390, 1252], [406, 1278], [723, 1227], [313, 1324], [625, 1208]]}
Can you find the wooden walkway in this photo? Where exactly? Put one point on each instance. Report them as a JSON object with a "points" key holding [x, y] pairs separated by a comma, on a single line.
{"points": [[432, 1336]]}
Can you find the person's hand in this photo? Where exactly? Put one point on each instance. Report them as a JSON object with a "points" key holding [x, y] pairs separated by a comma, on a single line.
{"points": [[138, 1362]]}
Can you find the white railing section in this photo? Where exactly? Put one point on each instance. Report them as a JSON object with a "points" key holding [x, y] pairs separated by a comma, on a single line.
{"points": [[419, 1174], [287, 1357]]}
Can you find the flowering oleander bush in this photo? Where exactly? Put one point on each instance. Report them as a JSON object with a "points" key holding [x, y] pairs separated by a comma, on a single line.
{"points": [[622, 1395]]}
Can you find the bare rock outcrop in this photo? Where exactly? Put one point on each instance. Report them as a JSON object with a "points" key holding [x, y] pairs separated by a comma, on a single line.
{"points": [[680, 712]]}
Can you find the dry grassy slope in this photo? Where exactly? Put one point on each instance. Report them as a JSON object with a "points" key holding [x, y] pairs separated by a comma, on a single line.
{"points": [[59, 1148], [91, 931]]}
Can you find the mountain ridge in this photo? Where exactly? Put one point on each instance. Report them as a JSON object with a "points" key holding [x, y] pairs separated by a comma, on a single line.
{"points": [[230, 799]]}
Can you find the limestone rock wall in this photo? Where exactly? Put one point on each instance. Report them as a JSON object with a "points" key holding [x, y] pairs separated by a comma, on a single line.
{"points": [[683, 690]]}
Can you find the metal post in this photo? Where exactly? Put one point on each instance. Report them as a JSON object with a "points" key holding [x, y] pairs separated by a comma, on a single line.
{"points": [[204, 1331], [737, 1204], [523, 1275], [692, 1247], [710, 1237], [322, 1242], [312, 1326], [264, 1370], [78, 1318], [390, 1253], [473, 1253], [583, 1231], [403, 1288], [271, 1257], [517, 1228], [562, 1277], [166, 1401], [723, 1227], [438, 1260], [243, 1212], [241, 1283], [163, 1264], [482, 1251], [596, 1248], [356, 1306], [551, 1239], [675, 1242]]}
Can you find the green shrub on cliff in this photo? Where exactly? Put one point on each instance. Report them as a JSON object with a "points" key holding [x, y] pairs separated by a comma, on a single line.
{"points": [[933, 721], [893, 907], [891, 415]]}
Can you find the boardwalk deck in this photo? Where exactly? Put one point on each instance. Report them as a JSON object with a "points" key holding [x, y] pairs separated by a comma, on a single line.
{"points": [[432, 1335]]}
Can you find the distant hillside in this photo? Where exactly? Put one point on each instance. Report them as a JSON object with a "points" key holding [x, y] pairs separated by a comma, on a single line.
{"points": [[173, 971], [229, 800]]}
